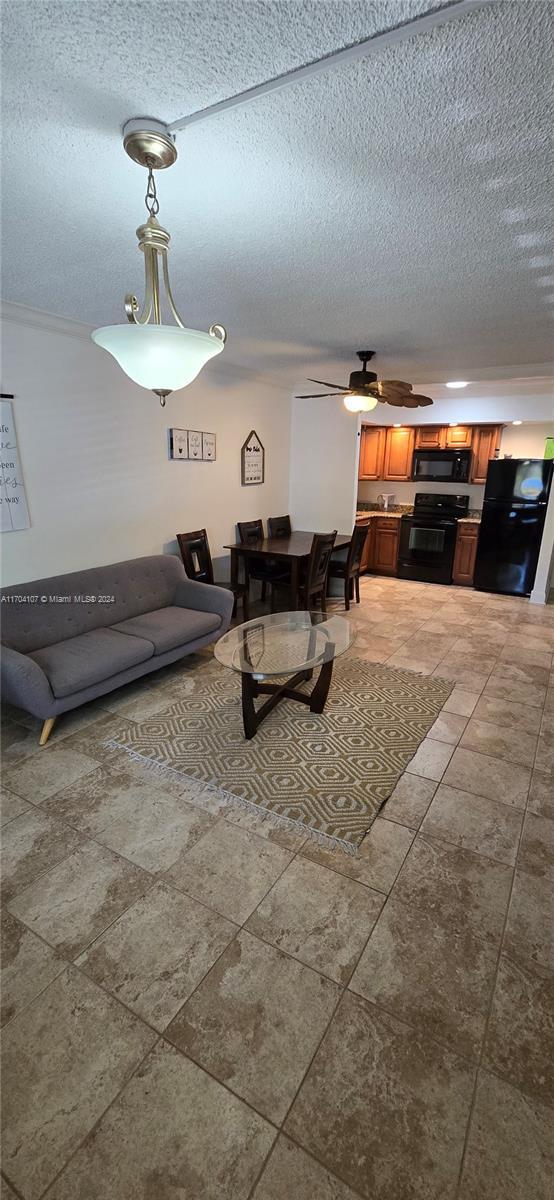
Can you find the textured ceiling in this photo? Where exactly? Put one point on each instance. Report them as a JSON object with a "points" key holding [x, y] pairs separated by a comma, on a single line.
{"points": [[400, 202]]}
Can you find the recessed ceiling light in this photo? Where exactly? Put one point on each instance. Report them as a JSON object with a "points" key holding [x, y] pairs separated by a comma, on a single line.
{"points": [[397, 426], [517, 422], [455, 383], [453, 424]]}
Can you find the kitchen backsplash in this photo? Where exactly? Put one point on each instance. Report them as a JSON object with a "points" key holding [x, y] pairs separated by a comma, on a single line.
{"points": [[404, 493]]}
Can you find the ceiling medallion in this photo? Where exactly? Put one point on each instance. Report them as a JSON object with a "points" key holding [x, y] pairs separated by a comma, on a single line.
{"points": [[162, 358]]}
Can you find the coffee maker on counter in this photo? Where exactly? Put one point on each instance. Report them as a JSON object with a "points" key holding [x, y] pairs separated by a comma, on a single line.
{"points": [[387, 499]]}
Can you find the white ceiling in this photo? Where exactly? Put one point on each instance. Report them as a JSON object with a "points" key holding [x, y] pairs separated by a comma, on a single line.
{"points": [[400, 202]]}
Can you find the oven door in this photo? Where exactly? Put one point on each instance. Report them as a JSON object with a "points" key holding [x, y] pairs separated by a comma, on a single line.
{"points": [[427, 549]]}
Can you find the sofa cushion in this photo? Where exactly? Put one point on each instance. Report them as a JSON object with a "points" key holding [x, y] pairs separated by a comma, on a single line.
{"points": [[169, 627], [82, 661], [96, 598]]}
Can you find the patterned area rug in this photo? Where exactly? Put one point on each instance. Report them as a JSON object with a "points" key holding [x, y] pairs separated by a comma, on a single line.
{"points": [[328, 773]]}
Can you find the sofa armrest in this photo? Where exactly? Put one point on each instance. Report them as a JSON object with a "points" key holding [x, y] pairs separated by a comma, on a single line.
{"points": [[24, 684], [205, 597]]}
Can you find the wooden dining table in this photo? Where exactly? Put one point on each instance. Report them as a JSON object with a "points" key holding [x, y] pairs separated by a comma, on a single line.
{"points": [[294, 550]]}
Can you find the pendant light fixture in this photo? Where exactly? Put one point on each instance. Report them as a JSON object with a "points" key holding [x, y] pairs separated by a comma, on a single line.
{"points": [[162, 358]]}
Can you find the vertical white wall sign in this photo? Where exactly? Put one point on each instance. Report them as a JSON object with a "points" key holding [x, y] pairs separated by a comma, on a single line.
{"points": [[14, 512], [252, 460]]}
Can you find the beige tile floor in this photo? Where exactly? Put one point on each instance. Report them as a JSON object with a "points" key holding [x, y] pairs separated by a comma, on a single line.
{"points": [[197, 1004]]}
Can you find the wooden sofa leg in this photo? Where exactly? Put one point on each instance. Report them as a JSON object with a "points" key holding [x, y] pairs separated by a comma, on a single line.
{"points": [[46, 730]]}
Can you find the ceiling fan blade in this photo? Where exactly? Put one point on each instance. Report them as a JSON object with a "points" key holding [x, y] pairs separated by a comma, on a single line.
{"points": [[422, 401], [400, 401], [394, 385], [317, 395], [326, 383]]}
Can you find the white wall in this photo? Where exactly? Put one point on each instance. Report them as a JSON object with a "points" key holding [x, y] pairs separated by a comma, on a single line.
{"points": [[498, 402], [527, 440], [323, 465], [94, 453], [544, 578]]}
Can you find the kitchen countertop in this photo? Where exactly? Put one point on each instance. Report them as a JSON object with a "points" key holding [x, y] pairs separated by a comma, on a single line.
{"points": [[376, 512], [365, 513]]}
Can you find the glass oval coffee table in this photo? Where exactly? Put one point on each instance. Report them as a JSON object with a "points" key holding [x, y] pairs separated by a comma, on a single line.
{"points": [[290, 644]]}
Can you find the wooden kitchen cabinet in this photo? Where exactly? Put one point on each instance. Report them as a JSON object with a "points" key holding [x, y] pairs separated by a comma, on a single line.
{"points": [[465, 552], [443, 437], [399, 447], [372, 452], [458, 437], [367, 550], [486, 441], [385, 540], [430, 437]]}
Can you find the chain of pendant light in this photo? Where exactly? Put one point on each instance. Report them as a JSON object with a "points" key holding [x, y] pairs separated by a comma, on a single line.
{"points": [[151, 198]]}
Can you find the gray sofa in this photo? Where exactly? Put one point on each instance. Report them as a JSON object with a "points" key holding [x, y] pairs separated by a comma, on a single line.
{"points": [[71, 638]]}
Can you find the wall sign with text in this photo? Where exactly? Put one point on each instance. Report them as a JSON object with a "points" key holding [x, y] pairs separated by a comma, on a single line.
{"points": [[252, 460], [191, 445], [14, 512]]}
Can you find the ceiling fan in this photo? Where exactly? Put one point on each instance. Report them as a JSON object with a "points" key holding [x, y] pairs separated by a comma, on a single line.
{"points": [[364, 390]]}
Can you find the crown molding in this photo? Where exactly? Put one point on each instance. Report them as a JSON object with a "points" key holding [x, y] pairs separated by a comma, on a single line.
{"points": [[36, 318]]}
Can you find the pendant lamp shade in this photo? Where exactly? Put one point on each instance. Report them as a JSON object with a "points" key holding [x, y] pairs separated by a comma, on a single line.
{"points": [[162, 358]]}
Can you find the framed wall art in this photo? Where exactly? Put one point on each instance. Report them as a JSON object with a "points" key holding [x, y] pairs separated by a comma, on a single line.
{"points": [[252, 460], [208, 447], [191, 445], [179, 443], [14, 513], [195, 444]]}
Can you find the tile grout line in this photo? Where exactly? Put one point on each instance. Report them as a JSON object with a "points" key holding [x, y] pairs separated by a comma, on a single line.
{"points": [[93, 1127], [492, 995], [294, 855]]}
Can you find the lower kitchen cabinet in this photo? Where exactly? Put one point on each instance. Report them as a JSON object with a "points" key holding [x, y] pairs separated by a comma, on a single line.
{"points": [[384, 551], [465, 552]]}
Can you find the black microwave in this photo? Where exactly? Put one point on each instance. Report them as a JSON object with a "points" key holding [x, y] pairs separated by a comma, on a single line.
{"points": [[441, 466]]}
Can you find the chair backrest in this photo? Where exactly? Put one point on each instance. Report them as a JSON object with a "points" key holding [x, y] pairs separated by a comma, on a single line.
{"points": [[318, 563], [356, 548], [279, 527], [195, 553], [251, 531]]}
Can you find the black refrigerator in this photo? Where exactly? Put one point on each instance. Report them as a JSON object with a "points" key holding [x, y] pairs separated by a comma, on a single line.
{"points": [[512, 521]]}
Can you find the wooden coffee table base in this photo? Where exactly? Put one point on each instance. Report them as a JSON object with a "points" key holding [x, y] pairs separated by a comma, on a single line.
{"points": [[251, 689]]}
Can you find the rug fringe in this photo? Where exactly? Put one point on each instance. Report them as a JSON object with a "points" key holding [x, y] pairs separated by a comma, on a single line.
{"points": [[230, 799]]}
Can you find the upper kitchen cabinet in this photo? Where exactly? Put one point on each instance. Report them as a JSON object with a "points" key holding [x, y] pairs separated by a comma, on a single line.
{"points": [[443, 437], [486, 442], [458, 437], [372, 452], [430, 437], [399, 447]]}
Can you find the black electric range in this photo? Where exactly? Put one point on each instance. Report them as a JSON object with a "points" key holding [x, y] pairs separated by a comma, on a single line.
{"points": [[428, 537]]}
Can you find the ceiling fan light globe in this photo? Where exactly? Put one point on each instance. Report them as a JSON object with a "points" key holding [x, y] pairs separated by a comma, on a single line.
{"points": [[161, 358], [357, 403]]}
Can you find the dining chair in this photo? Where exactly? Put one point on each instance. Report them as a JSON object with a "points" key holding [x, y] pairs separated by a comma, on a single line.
{"points": [[314, 586], [197, 561], [265, 570], [279, 527], [349, 568]]}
